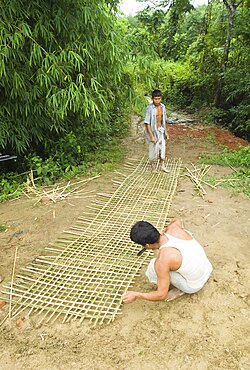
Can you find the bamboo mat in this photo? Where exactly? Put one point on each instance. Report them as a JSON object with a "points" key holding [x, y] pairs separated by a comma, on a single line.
{"points": [[84, 274]]}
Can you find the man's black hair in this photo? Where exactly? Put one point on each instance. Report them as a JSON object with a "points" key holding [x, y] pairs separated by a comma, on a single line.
{"points": [[156, 93], [144, 233]]}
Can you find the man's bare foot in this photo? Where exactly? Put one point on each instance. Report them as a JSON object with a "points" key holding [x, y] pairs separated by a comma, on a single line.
{"points": [[174, 293], [154, 167], [164, 169]]}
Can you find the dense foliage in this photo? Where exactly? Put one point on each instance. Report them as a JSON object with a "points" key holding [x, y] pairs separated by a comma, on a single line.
{"points": [[61, 72], [199, 57]]}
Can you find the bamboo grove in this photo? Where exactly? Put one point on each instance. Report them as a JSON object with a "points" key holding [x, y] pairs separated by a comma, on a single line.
{"points": [[61, 73], [71, 71]]}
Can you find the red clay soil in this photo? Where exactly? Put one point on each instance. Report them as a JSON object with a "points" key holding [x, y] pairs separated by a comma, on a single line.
{"points": [[223, 137]]}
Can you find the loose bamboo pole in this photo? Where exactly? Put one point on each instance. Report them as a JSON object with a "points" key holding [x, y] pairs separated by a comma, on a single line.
{"points": [[12, 280]]}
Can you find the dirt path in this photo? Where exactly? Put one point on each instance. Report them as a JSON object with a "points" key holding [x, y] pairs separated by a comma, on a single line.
{"points": [[204, 331]]}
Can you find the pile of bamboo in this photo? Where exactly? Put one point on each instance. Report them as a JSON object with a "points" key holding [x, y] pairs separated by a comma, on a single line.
{"points": [[57, 192], [197, 175]]}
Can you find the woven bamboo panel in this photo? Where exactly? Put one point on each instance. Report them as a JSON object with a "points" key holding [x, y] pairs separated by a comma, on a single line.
{"points": [[84, 274]]}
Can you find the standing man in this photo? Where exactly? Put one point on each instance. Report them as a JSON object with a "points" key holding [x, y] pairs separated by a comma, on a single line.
{"points": [[181, 262], [156, 131]]}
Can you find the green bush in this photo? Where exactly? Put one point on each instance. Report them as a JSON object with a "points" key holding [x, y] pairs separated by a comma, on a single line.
{"points": [[238, 158]]}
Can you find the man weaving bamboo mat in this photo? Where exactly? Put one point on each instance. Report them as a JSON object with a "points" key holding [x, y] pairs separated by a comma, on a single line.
{"points": [[85, 274]]}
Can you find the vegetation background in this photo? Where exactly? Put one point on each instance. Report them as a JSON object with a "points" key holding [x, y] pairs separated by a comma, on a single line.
{"points": [[71, 73]]}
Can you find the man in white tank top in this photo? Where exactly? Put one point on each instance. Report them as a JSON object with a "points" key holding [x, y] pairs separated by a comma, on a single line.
{"points": [[181, 262]]}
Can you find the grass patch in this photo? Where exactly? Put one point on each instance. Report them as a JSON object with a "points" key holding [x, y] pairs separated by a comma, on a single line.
{"points": [[211, 139], [238, 158], [3, 228], [238, 182], [239, 161]]}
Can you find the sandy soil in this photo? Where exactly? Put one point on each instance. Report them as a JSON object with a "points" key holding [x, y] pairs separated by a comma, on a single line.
{"points": [[204, 331]]}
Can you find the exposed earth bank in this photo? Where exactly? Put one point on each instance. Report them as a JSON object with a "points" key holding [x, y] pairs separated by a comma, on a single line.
{"points": [[204, 331]]}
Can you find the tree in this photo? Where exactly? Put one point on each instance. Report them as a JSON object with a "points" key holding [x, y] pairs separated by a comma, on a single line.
{"points": [[231, 6]]}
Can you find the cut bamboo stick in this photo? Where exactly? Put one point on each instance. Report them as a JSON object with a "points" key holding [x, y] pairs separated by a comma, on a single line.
{"points": [[12, 280]]}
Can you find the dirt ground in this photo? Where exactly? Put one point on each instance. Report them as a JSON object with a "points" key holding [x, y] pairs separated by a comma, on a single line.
{"points": [[208, 330]]}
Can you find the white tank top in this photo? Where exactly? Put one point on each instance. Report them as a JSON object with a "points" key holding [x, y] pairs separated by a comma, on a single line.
{"points": [[195, 266]]}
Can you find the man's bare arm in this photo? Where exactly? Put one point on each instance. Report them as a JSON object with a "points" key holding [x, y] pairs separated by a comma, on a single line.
{"points": [[149, 130], [163, 282]]}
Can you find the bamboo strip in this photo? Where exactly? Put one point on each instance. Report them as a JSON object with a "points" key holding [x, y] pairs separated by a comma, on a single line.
{"points": [[68, 305], [73, 278], [73, 288], [12, 280], [197, 182]]}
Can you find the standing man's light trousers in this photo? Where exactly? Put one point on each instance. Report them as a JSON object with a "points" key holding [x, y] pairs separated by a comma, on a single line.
{"points": [[158, 150]]}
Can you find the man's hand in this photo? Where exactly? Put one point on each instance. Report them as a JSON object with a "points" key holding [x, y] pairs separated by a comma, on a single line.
{"points": [[153, 140], [167, 136], [130, 297]]}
